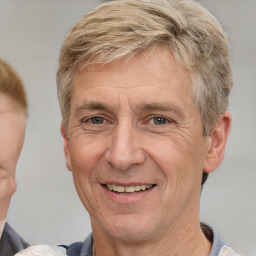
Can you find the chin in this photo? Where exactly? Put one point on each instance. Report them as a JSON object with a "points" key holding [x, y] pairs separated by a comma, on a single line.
{"points": [[130, 228]]}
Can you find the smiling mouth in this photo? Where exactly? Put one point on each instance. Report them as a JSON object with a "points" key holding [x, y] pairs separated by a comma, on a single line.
{"points": [[127, 189]]}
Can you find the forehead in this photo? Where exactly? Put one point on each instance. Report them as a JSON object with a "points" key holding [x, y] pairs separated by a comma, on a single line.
{"points": [[9, 104], [156, 68], [148, 79]]}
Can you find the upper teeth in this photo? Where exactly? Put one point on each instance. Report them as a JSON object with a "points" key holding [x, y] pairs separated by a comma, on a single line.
{"points": [[127, 189]]}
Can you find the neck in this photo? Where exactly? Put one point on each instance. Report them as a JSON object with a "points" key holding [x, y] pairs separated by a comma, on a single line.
{"points": [[177, 241]]}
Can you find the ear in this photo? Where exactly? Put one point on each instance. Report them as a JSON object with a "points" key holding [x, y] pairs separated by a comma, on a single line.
{"points": [[218, 140], [66, 146]]}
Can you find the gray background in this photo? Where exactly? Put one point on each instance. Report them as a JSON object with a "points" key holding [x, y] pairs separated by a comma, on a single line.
{"points": [[45, 207]]}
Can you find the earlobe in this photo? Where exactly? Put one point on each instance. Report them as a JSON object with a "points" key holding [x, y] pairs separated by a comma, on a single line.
{"points": [[218, 140], [66, 146]]}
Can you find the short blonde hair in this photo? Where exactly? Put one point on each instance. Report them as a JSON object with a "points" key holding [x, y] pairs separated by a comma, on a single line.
{"points": [[12, 85], [124, 28]]}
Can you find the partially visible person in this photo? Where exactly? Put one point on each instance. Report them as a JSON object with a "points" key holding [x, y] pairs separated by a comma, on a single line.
{"points": [[13, 115]]}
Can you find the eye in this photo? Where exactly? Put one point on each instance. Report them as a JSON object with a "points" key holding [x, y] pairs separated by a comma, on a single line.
{"points": [[96, 120], [158, 120]]}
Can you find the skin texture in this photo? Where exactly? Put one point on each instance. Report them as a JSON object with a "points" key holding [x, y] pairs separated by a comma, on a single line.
{"points": [[134, 122], [12, 132]]}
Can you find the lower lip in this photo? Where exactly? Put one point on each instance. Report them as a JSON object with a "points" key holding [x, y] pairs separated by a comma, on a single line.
{"points": [[123, 198]]}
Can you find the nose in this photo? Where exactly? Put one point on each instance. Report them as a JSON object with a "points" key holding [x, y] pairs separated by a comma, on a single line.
{"points": [[125, 149]]}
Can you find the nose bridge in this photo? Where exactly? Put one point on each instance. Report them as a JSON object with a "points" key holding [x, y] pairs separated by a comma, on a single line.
{"points": [[125, 150]]}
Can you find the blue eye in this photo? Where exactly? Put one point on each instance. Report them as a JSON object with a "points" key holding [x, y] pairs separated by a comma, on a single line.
{"points": [[160, 120], [97, 120]]}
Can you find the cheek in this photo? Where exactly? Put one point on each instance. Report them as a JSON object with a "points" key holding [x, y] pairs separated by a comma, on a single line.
{"points": [[169, 156], [86, 154], [86, 162], [11, 138], [179, 161]]}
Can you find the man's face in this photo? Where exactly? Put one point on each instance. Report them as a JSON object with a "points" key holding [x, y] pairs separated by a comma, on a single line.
{"points": [[12, 132], [136, 146]]}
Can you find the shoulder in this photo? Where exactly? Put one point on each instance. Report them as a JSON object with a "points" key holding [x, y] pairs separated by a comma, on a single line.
{"points": [[11, 242], [227, 251], [80, 248], [219, 247], [73, 249]]}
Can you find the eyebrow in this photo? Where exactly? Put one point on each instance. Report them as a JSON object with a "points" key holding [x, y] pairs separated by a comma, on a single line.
{"points": [[168, 107], [163, 106], [90, 106]]}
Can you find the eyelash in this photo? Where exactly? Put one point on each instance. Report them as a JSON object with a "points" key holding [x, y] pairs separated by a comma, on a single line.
{"points": [[152, 120], [90, 120], [157, 118]]}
